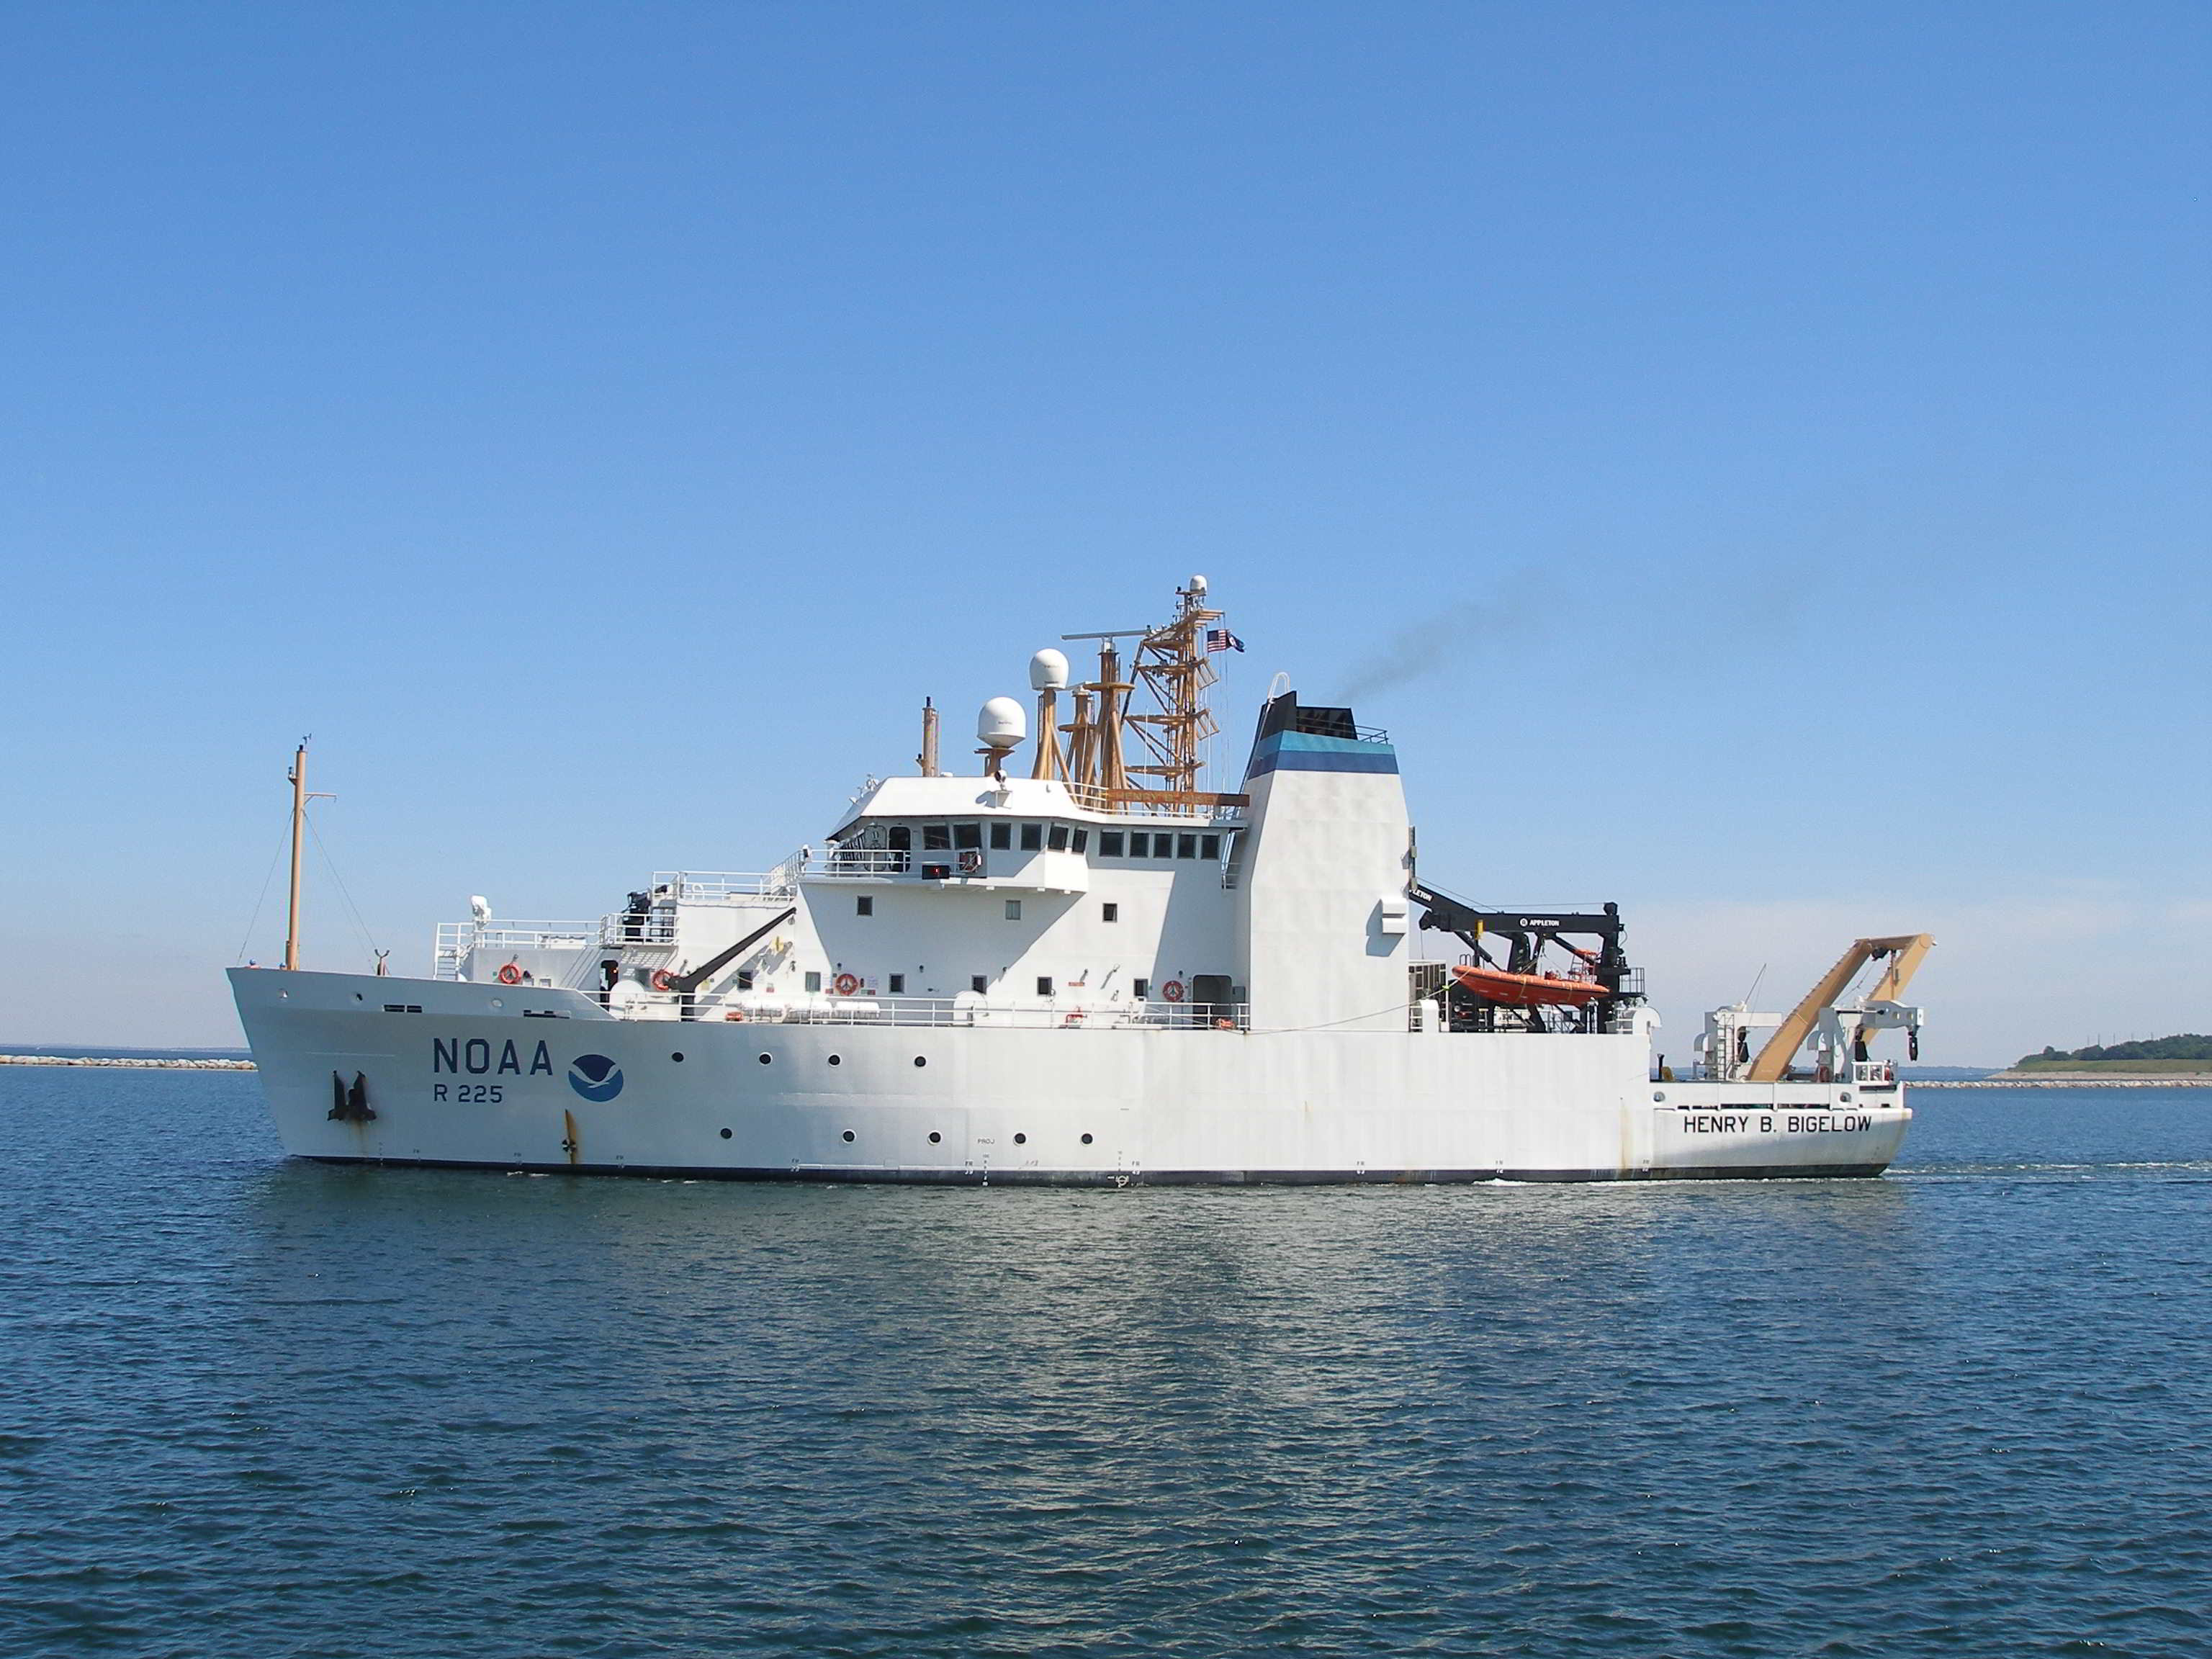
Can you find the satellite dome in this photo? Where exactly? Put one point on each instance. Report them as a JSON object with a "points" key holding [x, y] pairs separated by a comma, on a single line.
{"points": [[1048, 671], [1198, 585], [1002, 724]]}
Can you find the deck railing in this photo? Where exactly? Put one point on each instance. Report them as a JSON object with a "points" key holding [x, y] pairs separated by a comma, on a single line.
{"points": [[965, 1012]]}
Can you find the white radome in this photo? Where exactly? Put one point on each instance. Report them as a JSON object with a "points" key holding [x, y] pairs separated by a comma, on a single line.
{"points": [[1002, 724], [1049, 671]]}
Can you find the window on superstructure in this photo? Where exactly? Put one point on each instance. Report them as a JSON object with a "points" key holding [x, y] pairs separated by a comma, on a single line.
{"points": [[1186, 846], [1082, 841], [1013, 909], [864, 906], [1058, 840], [813, 982], [1209, 846], [899, 838], [1032, 837], [1002, 837], [898, 985], [967, 837], [1044, 985], [1140, 845], [1109, 843], [1142, 989], [936, 837], [745, 979], [979, 983], [1111, 912]]}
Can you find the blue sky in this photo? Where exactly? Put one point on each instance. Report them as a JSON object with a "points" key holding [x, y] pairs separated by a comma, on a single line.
{"points": [[1752, 458]]}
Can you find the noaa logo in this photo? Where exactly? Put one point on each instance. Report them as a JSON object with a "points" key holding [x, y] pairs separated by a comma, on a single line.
{"points": [[595, 1077]]}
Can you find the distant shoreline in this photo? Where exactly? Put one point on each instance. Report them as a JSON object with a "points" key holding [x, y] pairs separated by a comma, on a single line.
{"points": [[144, 1062], [2072, 1080]]}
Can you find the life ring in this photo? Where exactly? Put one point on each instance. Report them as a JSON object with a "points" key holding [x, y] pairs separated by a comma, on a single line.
{"points": [[736, 1016], [663, 980], [846, 984], [1172, 990], [1224, 1025], [1074, 1017], [510, 974]]}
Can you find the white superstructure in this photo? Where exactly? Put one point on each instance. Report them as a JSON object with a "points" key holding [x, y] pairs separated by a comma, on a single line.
{"points": [[1093, 973]]}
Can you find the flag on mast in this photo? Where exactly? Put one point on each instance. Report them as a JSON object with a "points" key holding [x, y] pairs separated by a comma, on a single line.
{"points": [[1220, 639]]}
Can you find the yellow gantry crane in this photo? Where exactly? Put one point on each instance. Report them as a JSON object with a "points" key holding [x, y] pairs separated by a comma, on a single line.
{"points": [[1904, 951]]}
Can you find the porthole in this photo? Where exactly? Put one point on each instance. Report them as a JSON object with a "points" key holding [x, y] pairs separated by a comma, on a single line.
{"points": [[1847, 1094], [725, 1134], [1086, 1141], [678, 1057], [837, 1060], [496, 1002], [934, 1137], [921, 1059], [1662, 1099], [848, 1135], [767, 1059], [1021, 1140]]}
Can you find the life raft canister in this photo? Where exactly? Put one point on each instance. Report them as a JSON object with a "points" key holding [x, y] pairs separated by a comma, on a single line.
{"points": [[663, 980], [847, 984], [510, 974], [1172, 990]]}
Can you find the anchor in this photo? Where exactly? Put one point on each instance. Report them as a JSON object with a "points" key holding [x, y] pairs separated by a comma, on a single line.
{"points": [[351, 1105]]}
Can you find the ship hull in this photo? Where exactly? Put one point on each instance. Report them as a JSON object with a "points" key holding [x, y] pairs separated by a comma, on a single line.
{"points": [[357, 1069]]}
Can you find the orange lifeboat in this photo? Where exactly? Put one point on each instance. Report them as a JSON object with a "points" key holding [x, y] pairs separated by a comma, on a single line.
{"points": [[1527, 990]]}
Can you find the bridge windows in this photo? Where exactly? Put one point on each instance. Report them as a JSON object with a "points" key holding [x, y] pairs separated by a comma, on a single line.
{"points": [[1002, 837], [968, 837], [1186, 846], [1209, 846], [1140, 845], [1032, 838], [1057, 840], [1109, 843], [936, 837]]}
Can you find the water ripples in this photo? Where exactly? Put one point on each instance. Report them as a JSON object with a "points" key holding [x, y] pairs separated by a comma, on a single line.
{"points": [[274, 1409]]}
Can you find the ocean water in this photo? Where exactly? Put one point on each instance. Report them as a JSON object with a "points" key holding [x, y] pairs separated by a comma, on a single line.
{"points": [[264, 1409]]}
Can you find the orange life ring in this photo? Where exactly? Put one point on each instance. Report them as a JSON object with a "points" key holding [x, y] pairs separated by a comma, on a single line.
{"points": [[663, 980], [1172, 990], [847, 984], [510, 974]]}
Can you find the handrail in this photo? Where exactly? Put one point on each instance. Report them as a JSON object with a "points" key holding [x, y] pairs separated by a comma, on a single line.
{"points": [[966, 1012]]}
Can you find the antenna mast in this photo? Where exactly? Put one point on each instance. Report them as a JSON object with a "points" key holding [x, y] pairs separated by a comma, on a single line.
{"points": [[1173, 664], [298, 779]]}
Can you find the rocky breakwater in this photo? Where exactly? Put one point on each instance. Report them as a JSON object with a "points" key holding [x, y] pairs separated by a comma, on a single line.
{"points": [[147, 1062]]}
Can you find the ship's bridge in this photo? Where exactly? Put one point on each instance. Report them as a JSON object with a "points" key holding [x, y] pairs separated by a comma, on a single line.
{"points": [[1039, 834]]}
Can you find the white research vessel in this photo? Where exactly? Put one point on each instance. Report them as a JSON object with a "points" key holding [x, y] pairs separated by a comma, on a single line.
{"points": [[1094, 973]]}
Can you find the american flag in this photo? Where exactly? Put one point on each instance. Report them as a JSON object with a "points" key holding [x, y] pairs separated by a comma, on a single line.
{"points": [[1220, 639]]}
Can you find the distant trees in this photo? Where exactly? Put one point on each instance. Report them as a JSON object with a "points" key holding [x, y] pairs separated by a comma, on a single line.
{"points": [[2188, 1046]]}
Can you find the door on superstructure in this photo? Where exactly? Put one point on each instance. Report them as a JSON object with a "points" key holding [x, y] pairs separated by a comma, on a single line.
{"points": [[1211, 999]]}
